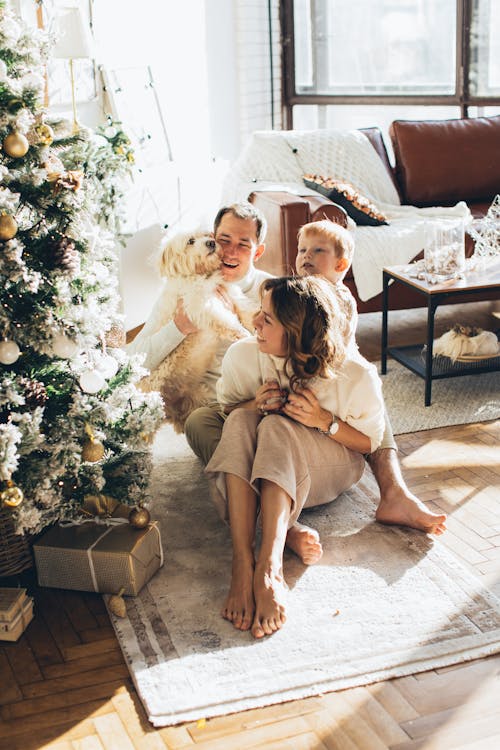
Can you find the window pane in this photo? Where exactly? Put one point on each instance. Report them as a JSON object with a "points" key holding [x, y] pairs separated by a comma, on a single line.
{"points": [[375, 46], [485, 48]]}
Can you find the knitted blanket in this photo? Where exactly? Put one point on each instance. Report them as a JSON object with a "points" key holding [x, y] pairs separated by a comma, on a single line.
{"points": [[277, 160]]}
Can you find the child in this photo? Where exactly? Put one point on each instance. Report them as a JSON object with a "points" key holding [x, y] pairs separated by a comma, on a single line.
{"points": [[326, 249]]}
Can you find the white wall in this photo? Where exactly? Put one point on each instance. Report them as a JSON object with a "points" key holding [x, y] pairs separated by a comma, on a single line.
{"points": [[211, 67]]}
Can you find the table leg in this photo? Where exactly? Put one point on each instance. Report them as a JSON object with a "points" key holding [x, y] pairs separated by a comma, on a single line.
{"points": [[385, 306], [432, 303]]}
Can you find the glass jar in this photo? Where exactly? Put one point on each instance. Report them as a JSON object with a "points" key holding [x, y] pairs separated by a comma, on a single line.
{"points": [[444, 253]]}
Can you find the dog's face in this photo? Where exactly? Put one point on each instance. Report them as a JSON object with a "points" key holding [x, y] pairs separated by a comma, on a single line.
{"points": [[193, 254]]}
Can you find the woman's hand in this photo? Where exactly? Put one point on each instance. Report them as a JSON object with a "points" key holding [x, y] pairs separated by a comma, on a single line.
{"points": [[304, 407], [270, 397]]}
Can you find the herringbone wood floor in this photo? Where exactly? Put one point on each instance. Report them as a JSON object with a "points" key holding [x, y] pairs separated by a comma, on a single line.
{"points": [[64, 685]]}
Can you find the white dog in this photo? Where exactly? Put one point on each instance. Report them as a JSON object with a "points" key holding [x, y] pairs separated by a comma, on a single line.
{"points": [[191, 265]]}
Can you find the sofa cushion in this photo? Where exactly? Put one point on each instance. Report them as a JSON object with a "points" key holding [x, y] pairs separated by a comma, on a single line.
{"points": [[359, 208], [440, 162]]}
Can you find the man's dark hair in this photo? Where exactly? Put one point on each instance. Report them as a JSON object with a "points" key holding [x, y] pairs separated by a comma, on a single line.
{"points": [[244, 210]]}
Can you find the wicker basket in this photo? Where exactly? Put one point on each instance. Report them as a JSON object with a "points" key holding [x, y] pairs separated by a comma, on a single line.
{"points": [[15, 550]]}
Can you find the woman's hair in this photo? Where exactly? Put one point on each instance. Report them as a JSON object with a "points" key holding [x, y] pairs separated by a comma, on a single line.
{"points": [[309, 310]]}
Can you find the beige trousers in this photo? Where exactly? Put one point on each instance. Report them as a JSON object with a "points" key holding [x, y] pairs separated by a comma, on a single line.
{"points": [[312, 468], [203, 430]]}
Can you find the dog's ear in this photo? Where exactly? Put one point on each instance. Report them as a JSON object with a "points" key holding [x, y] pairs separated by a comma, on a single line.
{"points": [[173, 259]]}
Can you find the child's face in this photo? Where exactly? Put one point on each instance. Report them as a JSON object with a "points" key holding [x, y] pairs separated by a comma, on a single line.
{"points": [[316, 256]]}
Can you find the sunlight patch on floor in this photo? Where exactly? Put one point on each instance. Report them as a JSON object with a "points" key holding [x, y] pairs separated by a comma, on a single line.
{"points": [[448, 454]]}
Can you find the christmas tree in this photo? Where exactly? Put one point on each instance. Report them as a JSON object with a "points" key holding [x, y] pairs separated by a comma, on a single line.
{"points": [[72, 423]]}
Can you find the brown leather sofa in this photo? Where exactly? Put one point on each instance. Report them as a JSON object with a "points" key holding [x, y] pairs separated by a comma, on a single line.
{"points": [[437, 163]]}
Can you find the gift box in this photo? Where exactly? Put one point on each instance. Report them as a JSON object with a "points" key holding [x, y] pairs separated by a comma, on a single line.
{"points": [[101, 557], [12, 630]]}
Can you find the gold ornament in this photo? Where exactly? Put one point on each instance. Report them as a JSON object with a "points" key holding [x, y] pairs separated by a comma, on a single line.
{"points": [[139, 518], [8, 227], [70, 180], [117, 604], [11, 495], [92, 450], [44, 133], [16, 145]]}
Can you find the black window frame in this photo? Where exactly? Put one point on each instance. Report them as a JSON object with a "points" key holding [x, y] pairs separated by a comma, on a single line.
{"points": [[462, 98]]}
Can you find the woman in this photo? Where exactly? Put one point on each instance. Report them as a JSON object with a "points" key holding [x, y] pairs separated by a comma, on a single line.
{"points": [[303, 412]]}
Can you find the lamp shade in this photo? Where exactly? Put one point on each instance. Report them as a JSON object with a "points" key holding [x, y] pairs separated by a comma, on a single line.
{"points": [[74, 38]]}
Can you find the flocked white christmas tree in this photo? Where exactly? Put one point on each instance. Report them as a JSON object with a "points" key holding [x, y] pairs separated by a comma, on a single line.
{"points": [[72, 423]]}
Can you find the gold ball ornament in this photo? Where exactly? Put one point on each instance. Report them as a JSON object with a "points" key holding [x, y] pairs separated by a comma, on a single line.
{"points": [[45, 134], [8, 227], [11, 495], [92, 451], [16, 145], [139, 518]]}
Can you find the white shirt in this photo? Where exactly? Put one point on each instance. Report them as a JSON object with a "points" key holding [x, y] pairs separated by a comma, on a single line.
{"points": [[156, 341], [354, 394]]}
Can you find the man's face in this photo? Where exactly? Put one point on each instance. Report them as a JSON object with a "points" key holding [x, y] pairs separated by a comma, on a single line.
{"points": [[238, 240]]}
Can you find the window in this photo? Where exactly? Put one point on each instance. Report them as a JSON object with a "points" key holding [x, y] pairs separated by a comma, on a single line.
{"points": [[388, 54]]}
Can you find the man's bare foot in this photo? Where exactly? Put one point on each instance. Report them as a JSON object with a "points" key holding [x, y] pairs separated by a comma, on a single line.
{"points": [[398, 505], [305, 543], [239, 607], [404, 509], [270, 592]]}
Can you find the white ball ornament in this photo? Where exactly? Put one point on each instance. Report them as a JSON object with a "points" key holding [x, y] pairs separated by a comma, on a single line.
{"points": [[9, 352], [63, 347], [107, 366], [91, 381]]}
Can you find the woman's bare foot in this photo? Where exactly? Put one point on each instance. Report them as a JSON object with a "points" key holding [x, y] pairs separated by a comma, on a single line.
{"points": [[305, 543], [239, 607], [404, 509], [270, 591]]}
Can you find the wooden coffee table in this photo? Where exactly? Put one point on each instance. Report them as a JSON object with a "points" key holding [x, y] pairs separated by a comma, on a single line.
{"points": [[476, 285]]}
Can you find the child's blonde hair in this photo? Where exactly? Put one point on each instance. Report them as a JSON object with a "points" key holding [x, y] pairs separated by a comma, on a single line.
{"points": [[341, 239]]}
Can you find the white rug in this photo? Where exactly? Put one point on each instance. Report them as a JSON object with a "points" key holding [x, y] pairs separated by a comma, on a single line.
{"points": [[382, 603], [459, 400]]}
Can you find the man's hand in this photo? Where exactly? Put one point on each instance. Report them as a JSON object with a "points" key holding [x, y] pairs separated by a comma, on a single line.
{"points": [[182, 321]]}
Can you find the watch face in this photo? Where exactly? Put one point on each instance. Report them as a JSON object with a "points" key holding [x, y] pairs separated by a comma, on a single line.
{"points": [[334, 427]]}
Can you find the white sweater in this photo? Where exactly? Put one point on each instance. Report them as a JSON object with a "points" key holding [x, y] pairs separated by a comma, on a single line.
{"points": [[157, 342], [354, 394]]}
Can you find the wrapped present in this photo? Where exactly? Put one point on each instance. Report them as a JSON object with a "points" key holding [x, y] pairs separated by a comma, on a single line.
{"points": [[103, 556], [13, 629]]}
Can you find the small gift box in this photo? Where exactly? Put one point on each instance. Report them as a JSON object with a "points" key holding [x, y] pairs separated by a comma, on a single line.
{"points": [[98, 556]]}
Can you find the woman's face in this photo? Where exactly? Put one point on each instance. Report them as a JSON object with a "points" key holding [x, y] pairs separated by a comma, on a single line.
{"points": [[271, 335]]}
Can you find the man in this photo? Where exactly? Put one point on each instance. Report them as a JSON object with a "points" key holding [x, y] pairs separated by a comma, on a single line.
{"points": [[240, 230]]}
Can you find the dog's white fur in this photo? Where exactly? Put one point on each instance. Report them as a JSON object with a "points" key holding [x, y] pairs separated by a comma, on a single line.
{"points": [[191, 263], [459, 342]]}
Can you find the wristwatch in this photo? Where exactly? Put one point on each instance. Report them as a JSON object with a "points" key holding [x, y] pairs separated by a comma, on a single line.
{"points": [[333, 429]]}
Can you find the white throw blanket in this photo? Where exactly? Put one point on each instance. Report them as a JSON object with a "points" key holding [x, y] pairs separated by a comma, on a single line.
{"points": [[277, 160]]}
